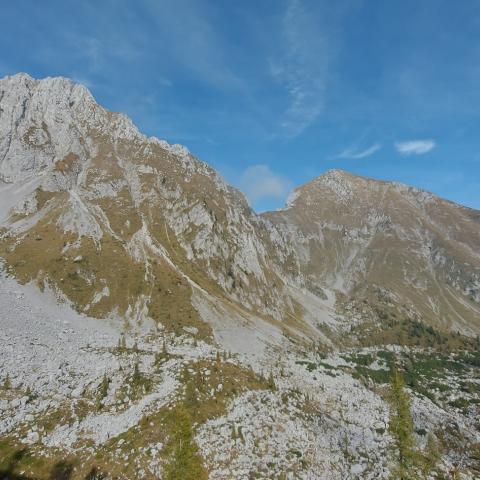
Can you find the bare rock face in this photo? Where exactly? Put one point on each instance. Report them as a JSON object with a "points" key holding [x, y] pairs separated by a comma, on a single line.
{"points": [[88, 176], [42, 122]]}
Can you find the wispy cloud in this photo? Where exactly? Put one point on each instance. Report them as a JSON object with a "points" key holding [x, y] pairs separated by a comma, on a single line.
{"points": [[259, 182], [415, 147], [95, 53], [191, 37], [88, 49], [355, 154], [303, 69]]}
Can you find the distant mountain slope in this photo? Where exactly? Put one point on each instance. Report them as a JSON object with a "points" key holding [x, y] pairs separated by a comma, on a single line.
{"points": [[353, 233]]}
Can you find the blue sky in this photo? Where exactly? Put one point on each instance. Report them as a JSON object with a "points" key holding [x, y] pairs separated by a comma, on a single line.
{"points": [[274, 92]]}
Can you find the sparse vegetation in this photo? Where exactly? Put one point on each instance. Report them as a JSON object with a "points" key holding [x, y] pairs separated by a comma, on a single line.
{"points": [[7, 383], [380, 376]]}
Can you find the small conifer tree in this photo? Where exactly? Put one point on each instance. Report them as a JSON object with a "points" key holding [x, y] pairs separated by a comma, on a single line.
{"points": [[401, 427], [136, 373], [185, 462], [191, 399], [271, 381], [104, 386], [430, 457]]}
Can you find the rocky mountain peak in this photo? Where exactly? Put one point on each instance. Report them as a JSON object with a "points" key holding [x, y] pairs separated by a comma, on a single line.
{"points": [[368, 232], [356, 191], [41, 121]]}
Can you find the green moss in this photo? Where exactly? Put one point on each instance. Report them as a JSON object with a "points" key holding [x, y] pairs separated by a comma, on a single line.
{"points": [[442, 387], [387, 356]]}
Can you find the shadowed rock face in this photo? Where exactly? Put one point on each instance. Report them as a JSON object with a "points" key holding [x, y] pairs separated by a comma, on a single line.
{"points": [[119, 222]]}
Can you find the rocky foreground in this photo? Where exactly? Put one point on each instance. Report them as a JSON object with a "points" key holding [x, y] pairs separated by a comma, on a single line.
{"points": [[84, 395]]}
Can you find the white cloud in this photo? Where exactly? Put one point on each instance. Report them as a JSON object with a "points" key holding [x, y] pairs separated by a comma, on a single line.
{"points": [[259, 182], [415, 147], [303, 69], [356, 154]]}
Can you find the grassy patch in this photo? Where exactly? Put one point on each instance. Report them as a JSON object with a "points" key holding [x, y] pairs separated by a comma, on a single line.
{"points": [[166, 435], [18, 462], [81, 271], [209, 385]]}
